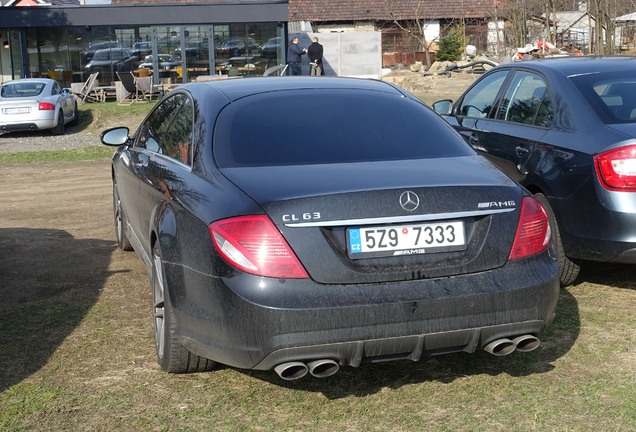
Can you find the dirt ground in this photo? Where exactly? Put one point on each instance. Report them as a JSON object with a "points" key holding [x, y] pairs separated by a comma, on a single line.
{"points": [[431, 88], [58, 257]]}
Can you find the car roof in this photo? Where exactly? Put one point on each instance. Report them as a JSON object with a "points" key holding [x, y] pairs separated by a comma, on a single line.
{"points": [[30, 80], [577, 65], [235, 89]]}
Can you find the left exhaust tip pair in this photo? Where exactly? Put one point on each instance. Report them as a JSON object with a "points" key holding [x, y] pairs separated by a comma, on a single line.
{"points": [[295, 370]]}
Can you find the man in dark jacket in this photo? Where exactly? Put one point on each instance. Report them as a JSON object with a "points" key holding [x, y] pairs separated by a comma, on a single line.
{"points": [[293, 57], [314, 52]]}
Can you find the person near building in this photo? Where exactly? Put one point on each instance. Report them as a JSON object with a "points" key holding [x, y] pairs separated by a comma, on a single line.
{"points": [[314, 52], [293, 57]]}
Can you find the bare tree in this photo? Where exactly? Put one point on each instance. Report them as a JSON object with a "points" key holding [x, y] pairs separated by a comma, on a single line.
{"points": [[416, 25]]}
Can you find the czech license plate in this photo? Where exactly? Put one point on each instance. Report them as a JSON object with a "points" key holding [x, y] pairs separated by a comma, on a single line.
{"points": [[411, 239], [21, 110]]}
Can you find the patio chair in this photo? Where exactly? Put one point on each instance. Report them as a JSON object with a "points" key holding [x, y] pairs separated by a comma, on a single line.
{"points": [[145, 89], [88, 92], [128, 81]]}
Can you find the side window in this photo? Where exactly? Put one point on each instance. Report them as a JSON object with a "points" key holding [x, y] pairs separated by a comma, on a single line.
{"points": [[480, 100], [527, 101], [56, 89], [168, 130], [177, 134]]}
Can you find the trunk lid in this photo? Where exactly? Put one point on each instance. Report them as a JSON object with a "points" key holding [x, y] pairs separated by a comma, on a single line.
{"points": [[315, 206]]}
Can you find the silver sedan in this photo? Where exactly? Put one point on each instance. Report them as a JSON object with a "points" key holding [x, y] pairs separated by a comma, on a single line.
{"points": [[31, 104]]}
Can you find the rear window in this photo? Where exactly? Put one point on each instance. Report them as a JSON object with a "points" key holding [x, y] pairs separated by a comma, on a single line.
{"points": [[20, 90], [327, 127], [611, 95]]}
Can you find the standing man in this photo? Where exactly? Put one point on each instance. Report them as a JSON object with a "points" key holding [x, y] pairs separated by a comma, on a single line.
{"points": [[293, 57], [314, 52]]}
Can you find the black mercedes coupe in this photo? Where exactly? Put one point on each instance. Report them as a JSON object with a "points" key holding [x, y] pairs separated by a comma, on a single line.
{"points": [[303, 224]]}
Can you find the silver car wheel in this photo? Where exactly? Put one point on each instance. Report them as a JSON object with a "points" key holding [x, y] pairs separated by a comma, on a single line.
{"points": [[158, 305]]}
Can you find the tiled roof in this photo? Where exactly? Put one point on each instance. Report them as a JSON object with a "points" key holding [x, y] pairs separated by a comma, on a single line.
{"points": [[351, 10], [356, 10]]}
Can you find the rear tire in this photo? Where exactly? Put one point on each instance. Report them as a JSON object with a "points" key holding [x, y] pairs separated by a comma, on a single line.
{"points": [[120, 222], [59, 128], [568, 269], [171, 355]]}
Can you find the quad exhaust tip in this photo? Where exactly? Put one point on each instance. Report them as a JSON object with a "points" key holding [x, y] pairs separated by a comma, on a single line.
{"points": [[504, 346], [324, 368], [318, 368]]}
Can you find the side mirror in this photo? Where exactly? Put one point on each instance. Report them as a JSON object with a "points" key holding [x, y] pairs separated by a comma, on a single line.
{"points": [[443, 107], [115, 136]]}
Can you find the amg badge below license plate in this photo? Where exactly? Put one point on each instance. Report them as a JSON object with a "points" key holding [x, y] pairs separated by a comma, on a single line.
{"points": [[394, 240]]}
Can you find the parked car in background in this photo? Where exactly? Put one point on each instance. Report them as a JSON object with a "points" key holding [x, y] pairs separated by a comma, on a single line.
{"points": [[141, 49], [110, 60], [270, 48], [194, 49], [237, 46], [387, 238], [32, 104], [97, 45], [564, 128], [166, 62]]}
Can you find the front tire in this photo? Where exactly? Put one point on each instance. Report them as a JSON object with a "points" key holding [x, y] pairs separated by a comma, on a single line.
{"points": [[171, 355], [120, 222], [568, 269]]}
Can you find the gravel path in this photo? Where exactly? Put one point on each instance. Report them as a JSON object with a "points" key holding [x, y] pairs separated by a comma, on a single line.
{"points": [[43, 140]]}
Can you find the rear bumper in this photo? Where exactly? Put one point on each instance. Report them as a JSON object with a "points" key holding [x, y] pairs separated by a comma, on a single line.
{"points": [[257, 323], [26, 125]]}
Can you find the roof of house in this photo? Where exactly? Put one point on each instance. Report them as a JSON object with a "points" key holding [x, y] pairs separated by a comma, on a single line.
{"points": [[361, 10], [570, 19], [355, 10]]}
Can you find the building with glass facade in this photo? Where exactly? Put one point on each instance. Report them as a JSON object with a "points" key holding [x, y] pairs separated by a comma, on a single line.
{"points": [[172, 42]]}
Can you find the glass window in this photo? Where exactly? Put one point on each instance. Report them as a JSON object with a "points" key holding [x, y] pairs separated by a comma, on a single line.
{"points": [[22, 89], [611, 95], [526, 101], [480, 100], [355, 126], [168, 130], [70, 54]]}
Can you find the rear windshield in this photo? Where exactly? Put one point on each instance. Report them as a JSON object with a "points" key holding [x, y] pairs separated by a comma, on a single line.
{"points": [[333, 126], [611, 95], [20, 90]]}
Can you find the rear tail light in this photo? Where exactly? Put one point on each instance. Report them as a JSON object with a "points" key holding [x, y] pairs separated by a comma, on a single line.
{"points": [[533, 232], [254, 245], [616, 168], [46, 106]]}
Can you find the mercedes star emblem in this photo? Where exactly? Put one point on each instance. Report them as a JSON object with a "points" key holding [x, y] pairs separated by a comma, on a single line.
{"points": [[409, 201]]}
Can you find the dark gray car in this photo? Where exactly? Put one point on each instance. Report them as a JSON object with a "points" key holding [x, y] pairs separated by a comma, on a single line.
{"points": [[384, 237], [564, 128], [110, 60]]}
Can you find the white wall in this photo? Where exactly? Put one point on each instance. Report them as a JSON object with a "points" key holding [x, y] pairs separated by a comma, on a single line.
{"points": [[353, 54]]}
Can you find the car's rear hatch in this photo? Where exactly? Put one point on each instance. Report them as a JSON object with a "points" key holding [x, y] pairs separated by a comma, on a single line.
{"points": [[19, 110], [389, 221]]}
